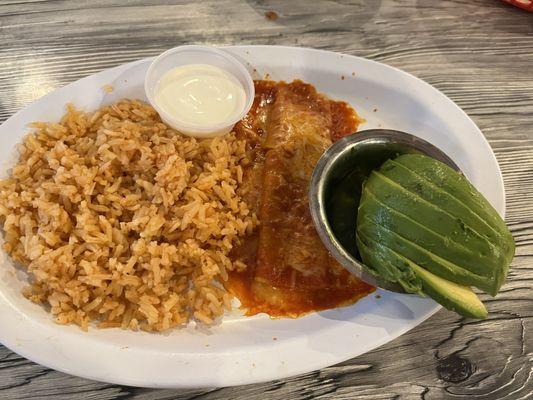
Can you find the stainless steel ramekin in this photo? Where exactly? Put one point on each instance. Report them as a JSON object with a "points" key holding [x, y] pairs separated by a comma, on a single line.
{"points": [[361, 152]]}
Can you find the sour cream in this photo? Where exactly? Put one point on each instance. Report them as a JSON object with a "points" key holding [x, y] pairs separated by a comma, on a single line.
{"points": [[200, 95]]}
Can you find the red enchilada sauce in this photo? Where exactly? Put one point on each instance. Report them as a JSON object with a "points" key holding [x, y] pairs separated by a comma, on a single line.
{"points": [[289, 272]]}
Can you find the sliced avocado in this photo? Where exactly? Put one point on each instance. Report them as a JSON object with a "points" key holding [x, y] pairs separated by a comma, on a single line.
{"points": [[423, 257], [469, 213], [455, 184], [454, 297], [418, 209], [425, 236], [388, 269], [492, 257]]}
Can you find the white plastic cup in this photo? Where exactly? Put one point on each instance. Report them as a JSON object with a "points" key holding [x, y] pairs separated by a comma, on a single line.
{"points": [[192, 54]]}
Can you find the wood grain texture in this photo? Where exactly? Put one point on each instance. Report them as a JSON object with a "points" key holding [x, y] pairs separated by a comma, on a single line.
{"points": [[478, 52]]}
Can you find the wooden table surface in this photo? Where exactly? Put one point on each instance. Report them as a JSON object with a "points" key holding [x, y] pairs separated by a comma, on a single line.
{"points": [[478, 52]]}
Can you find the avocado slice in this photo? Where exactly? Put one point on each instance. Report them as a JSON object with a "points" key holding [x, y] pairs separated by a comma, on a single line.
{"points": [[421, 255], [423, 236], [469, 212], [453, 296], [423, 225], [436, 226], [456, 185], [414, 207], [387, 267]]}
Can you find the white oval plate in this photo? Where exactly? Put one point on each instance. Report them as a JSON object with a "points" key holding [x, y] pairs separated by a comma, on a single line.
{"points": [[246, 350]]}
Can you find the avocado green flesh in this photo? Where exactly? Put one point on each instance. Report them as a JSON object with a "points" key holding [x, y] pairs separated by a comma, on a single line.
{"points": [[442, 223], [422, 211], [424, 258], [430, 192], [422, 235], [458, 187], [454, 184], [423, 225], [375, 255], [454, 297]]}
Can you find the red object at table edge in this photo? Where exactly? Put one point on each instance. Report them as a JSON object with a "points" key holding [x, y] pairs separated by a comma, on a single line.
{"points": [[525, 4]]}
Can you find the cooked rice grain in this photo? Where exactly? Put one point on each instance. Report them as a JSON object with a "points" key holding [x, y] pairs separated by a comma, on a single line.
{"points": [[123, 221]]}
